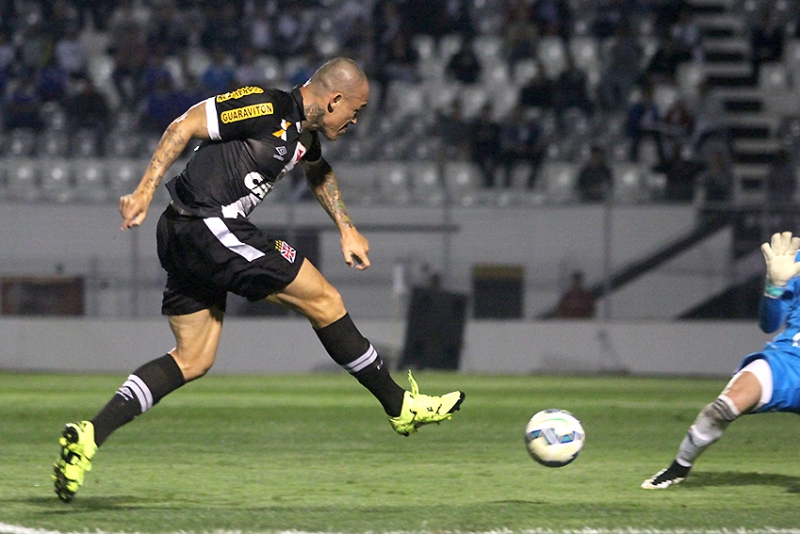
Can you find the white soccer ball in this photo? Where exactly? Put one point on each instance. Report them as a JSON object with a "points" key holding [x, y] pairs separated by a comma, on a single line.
{"points": [[554, 437]]}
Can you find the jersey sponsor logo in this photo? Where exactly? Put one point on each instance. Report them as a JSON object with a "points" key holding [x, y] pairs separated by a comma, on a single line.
{"points": [[282, 132], [286, 250], [239, 93], [247, 112]]}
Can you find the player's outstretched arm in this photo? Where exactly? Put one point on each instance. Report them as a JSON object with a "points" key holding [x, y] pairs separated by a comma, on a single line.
{"points": [[779, 255], [192, 124], [323, 184]]}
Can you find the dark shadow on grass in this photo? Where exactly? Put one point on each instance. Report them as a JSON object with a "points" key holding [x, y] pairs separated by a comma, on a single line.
{"points": [[52, 505], [517, 501], [732, 478]]}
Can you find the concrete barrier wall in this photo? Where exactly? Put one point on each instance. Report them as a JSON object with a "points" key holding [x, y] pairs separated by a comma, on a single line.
{"points": [[290, 346]]}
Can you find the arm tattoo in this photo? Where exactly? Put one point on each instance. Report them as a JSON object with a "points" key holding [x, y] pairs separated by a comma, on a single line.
{"points": [[168, 150], [326, 190]]}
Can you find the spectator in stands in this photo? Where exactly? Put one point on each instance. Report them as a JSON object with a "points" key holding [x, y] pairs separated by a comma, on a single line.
{"points": [[678, 124], [161, 105], [218, 76], [168, 26], [521, 141], [36, 44], [61, 16], [397, 61], [70, 54], [539, 91], [8, 54], [260, 28], [767, 39], [681, 172], [154, 69], [464, 66], [663, 65], [644, 120], [595, 179], [688, 35], [455, 133], [577, 302], [292, 30], [87, 108], [225, 29], [51, 82], [485, 140], [716, 181], [613, 15], [552, 17], [571, 90], [622, 70], [439, 18], [781, 179], [710, 128], [129, 49], [248, 72], [22, 106], [519, 33]]}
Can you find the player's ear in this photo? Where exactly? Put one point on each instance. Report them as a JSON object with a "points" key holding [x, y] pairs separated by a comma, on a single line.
{"points": [[333, 102]]}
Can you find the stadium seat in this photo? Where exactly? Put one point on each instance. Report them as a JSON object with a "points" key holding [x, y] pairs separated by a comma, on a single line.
{"points": [[463, 182], [56, 176], [23, 180], [90, 180], [20, 142], [472, 98], [404, 98], [84, 143], [270, 67], [585, 53], [524, 71], [773, 78], [53, 143], [489, 49], [424, 45], [557, 179], [426, 185], [448, 46], [552, 54], [628, 182], [393, 183], [122, 144], [124, 175], [359, 182]]}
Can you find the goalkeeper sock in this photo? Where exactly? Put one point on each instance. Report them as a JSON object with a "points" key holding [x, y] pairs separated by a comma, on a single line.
{"points": [[141, 391], [709, 426], [357, 356]]}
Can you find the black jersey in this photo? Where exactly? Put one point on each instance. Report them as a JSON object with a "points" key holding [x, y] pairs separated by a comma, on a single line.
{"points": [[256, 138]]}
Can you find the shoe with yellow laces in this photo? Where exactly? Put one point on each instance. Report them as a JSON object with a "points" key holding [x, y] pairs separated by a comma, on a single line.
{"points": [[419, 409], [77, 450]]}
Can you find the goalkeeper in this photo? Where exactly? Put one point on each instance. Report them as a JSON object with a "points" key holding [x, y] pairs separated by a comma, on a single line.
{"points": [[767, 381]]}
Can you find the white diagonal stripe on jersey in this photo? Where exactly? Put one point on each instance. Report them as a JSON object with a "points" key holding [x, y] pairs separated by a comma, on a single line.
{"points": [[230, 241], [362, 361], [141, 391], [211, 120]]}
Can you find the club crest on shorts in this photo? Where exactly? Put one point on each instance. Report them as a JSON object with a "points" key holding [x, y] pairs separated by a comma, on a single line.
{"points": [[286, 250]]}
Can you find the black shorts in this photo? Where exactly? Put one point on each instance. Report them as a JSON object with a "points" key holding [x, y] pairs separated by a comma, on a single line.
{"points": [[207, 258]]}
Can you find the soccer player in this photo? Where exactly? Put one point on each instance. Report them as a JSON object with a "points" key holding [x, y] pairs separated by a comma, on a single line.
{"points": [[766, 381], [251, 138]]}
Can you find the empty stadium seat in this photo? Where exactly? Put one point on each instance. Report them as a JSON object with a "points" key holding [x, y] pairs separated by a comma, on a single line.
{"points": [[426, 185], [552, 54], [393, 184], [629, 186], [90, 180], [463, 181], [56, 180], [359, 182], [23, 179], [124, 174], [20, 142], [557, 180]]}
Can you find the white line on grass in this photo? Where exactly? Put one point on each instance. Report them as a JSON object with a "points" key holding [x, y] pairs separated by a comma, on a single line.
{"points": [[16, 529]]}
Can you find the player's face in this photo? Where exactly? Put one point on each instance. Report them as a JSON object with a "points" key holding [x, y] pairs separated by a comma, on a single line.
{"points": [[345, 112]]}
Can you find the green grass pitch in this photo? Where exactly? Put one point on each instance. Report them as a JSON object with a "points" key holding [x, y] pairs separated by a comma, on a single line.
{"points": [[314, 453]]}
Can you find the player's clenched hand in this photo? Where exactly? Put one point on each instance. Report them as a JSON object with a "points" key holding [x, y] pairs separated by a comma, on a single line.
{"points": [[779, 255], [355, 248], [133, 209]]}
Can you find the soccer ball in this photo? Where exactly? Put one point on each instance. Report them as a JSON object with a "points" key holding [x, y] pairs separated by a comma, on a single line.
{"points": [[554, 437]]}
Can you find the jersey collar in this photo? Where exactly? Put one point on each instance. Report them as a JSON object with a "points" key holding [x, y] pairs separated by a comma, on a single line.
{"points": [[298, 100]]}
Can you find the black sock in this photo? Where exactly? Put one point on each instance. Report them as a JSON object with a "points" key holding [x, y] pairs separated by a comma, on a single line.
{"points": [[141, 391], [355, 354]]}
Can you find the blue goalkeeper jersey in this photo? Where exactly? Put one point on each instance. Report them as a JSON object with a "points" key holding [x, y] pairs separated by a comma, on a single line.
{"points": [[784, 311]]}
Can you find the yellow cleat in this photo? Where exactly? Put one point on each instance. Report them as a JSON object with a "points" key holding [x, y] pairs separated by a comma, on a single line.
{"points": [[77, 450], [419, 409]]}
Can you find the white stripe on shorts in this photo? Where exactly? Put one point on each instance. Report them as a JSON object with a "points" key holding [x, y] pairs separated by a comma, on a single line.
{"points": [[362, 361], [230, 241]]}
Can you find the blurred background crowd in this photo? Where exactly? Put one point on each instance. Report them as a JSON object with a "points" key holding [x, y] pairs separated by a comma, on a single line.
{"points": [[541, 100]]}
